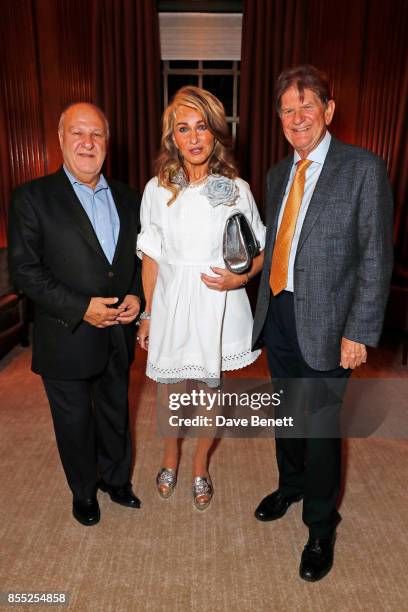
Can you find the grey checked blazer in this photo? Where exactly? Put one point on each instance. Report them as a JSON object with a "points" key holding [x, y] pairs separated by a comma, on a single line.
{"points": [[344, 257]]}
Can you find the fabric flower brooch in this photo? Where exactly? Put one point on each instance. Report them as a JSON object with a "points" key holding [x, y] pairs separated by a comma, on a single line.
{"points": [[220, 190], [217, 189]]}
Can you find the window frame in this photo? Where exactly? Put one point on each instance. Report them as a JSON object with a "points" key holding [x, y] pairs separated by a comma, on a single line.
{"points": [[200, 72]]}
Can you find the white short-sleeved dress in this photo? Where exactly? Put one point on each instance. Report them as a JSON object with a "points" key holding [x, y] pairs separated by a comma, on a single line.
{"points": [[195, 332]]}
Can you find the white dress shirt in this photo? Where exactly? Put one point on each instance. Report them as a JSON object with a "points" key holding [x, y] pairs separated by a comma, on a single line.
{"points": [[317, 156]]}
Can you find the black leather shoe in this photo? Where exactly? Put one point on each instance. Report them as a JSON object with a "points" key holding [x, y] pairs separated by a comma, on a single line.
{"points": [[275, 505], [121, 495], [317, 558], [86, 511]]}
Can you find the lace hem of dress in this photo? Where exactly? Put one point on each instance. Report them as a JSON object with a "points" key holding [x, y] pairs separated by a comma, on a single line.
{"points": [[229, 362], [236, 362]]}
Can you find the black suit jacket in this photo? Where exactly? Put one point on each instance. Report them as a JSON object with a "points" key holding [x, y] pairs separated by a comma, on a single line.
{"points": [[55, 259]]}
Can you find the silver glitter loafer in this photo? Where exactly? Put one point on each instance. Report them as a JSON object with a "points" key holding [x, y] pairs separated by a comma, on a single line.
{"points": [[166, 480], [203, 492]]}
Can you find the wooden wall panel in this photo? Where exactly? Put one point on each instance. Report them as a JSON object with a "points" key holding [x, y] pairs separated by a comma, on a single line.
{"points": [[75, 50], [336, 45], [22, 150], [45, 65], [384, 72], [363, 45], [65, 46], [45, 19]]}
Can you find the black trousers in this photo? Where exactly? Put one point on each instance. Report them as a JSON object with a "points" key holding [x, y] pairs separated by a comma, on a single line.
{"points": [[91, 422], [310, 466]]}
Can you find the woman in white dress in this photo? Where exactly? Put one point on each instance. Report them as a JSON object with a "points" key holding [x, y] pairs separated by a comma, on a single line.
{"points": [[197, 320]]}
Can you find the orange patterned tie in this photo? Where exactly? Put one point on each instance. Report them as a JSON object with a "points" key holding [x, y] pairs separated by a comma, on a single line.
{"points": [[278, 278]]}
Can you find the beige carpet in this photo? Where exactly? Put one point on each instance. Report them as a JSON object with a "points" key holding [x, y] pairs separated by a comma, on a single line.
{"points": [[167, 556]]}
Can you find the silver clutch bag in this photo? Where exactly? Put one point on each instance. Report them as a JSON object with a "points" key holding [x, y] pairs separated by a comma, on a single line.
{"points": [[239, 243]]}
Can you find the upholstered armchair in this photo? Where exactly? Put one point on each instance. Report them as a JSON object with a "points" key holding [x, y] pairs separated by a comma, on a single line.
{"points": [[13, 311]]}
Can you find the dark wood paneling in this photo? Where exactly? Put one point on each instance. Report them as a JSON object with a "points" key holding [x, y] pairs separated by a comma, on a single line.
{"points": [[363, 46], [22, 150], [45, 19], [45, 65], [20, 91], [336, 45], [65, 47]]}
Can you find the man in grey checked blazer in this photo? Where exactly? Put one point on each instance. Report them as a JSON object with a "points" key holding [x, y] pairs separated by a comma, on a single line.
{"points": [[336, 288]]}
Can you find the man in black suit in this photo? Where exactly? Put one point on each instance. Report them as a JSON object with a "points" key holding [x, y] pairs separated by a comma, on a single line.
{"points": [[72, 238], [322, 295]]}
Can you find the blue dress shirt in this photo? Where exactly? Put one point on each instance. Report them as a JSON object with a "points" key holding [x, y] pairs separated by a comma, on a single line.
{"points": [[100, 207]]}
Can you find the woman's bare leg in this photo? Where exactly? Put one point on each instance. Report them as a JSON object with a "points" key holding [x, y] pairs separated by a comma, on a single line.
{"points": [[200, 460]]}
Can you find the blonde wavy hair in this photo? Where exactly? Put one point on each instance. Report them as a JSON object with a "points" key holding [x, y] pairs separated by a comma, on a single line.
{"points": [[169, 161]]}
